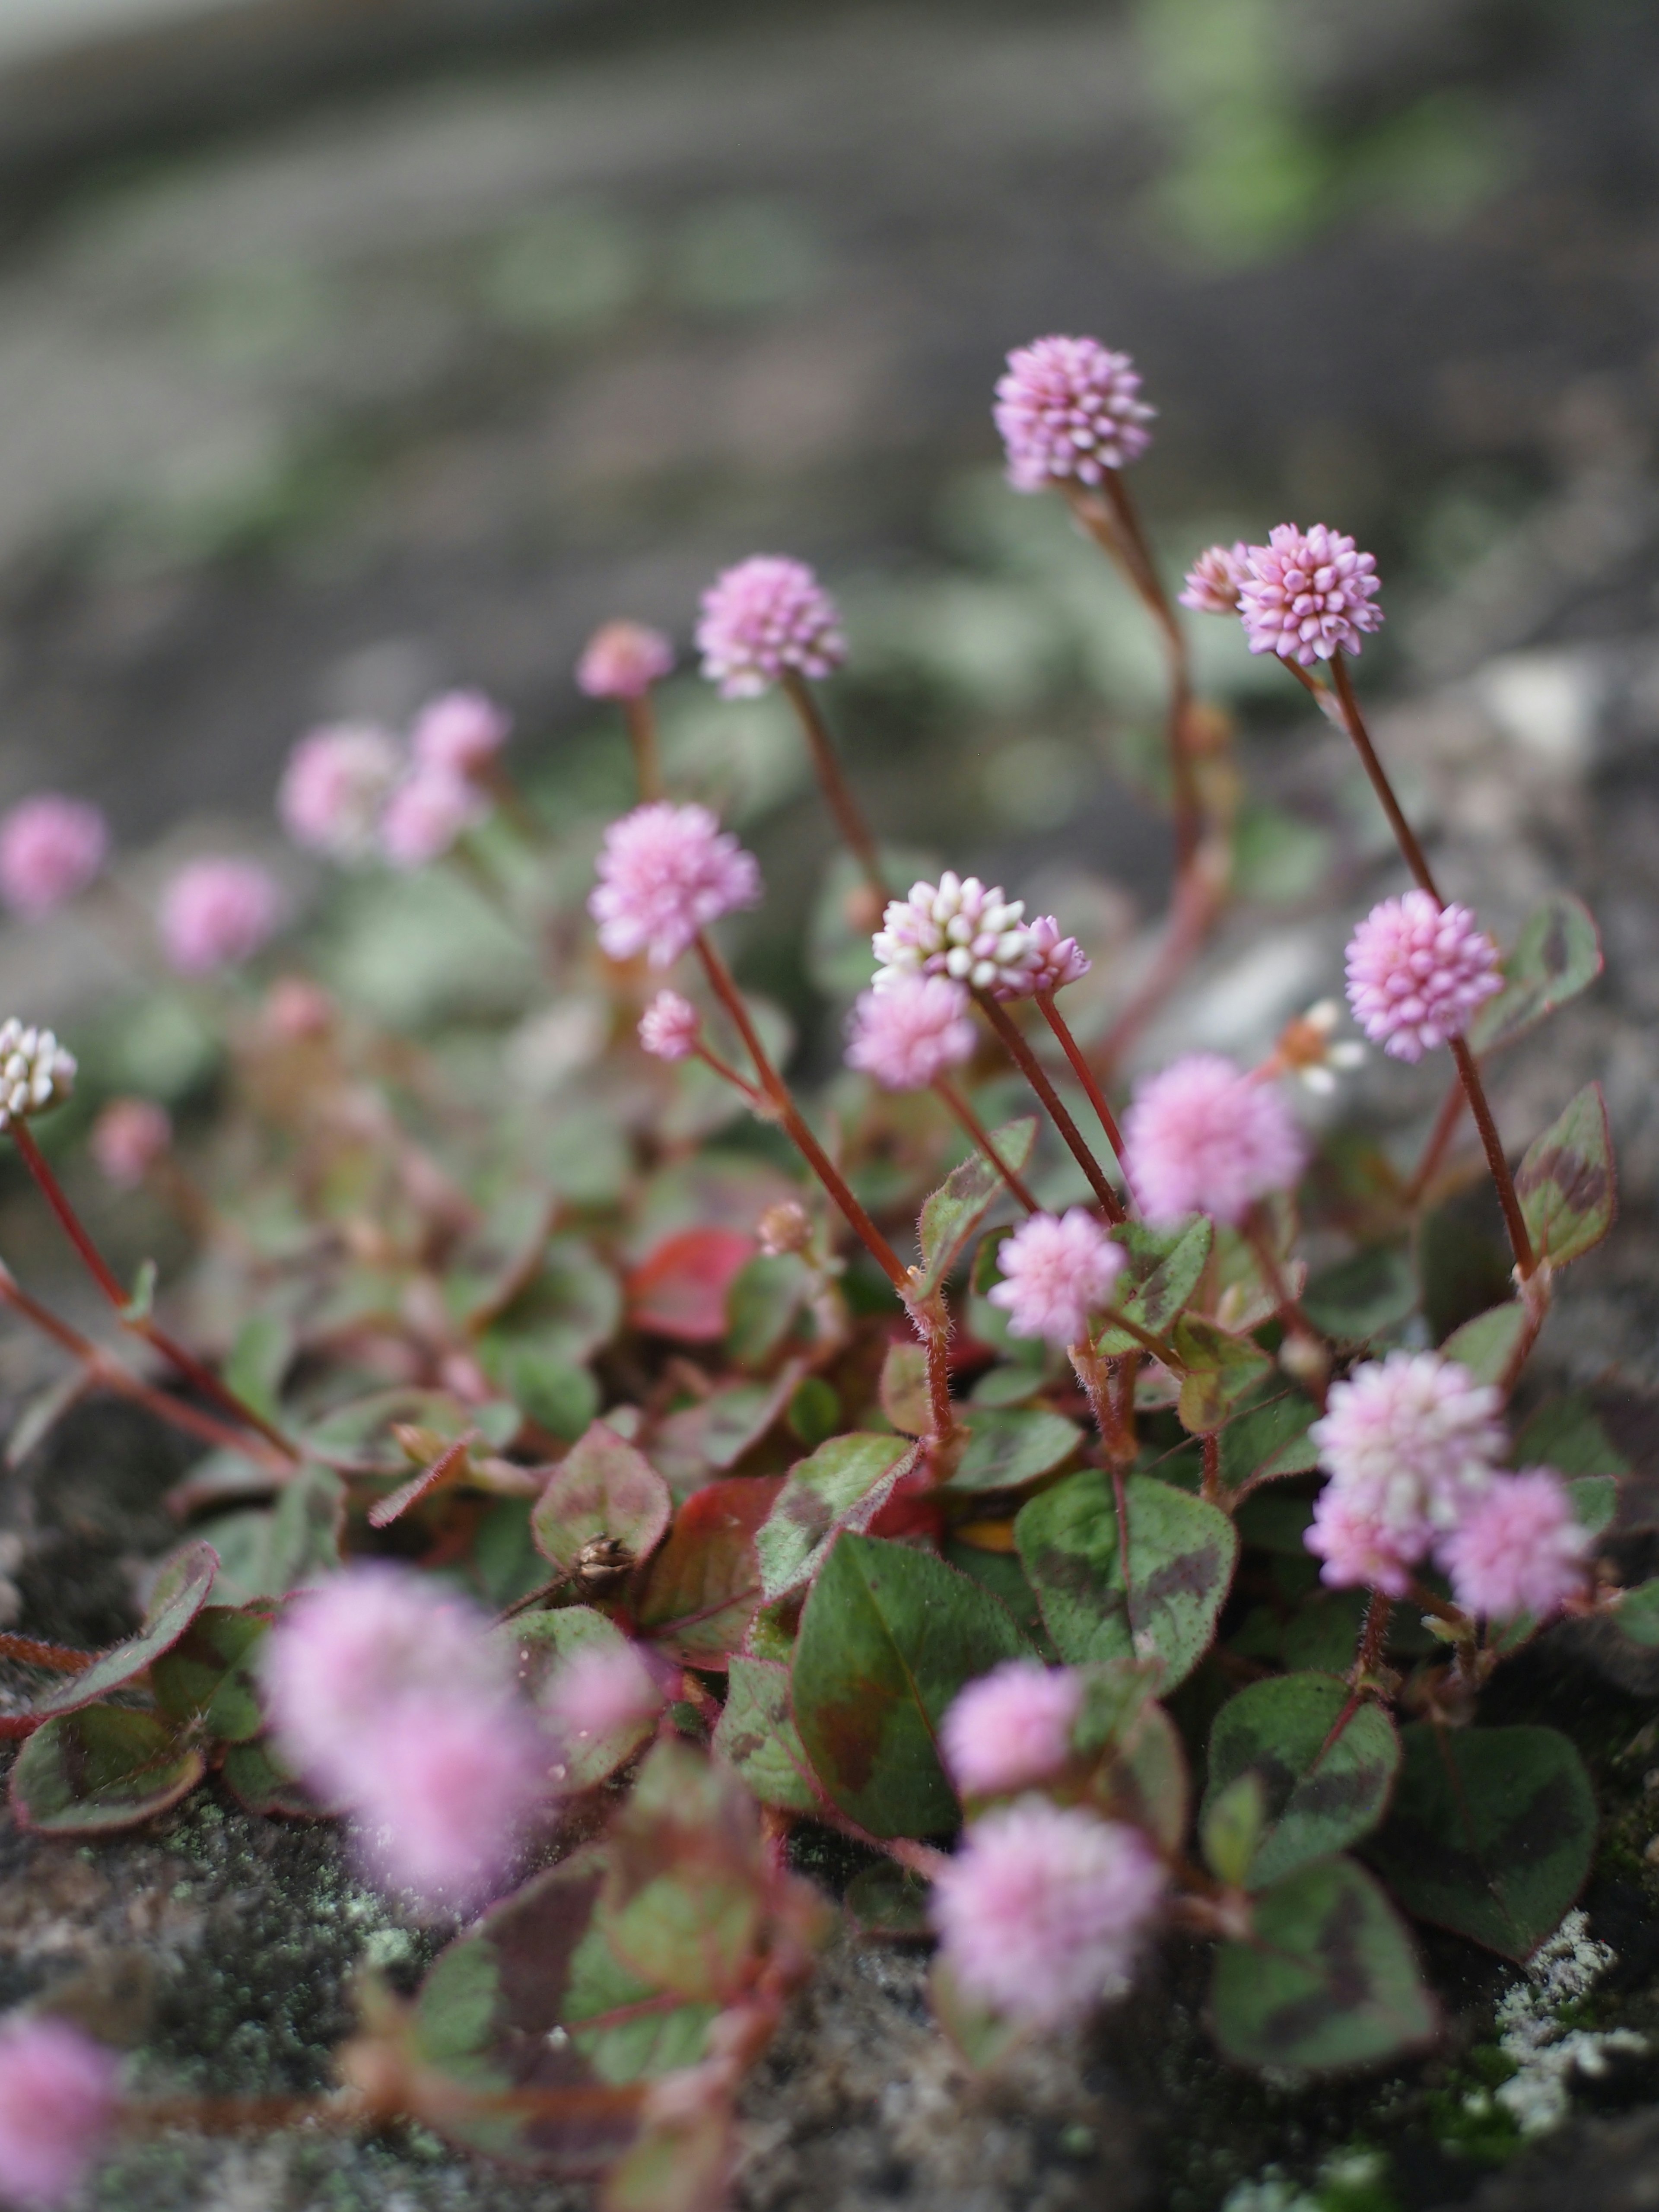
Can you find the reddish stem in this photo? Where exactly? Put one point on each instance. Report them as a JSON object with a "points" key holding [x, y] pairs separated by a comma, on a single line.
{"points": [[1492, 1145], [850, 817], [1445, 1125], [1353, 721], [1210, 1488], [62, 1658], [1084, 1072], [980, 1136], [1029, 1065], [643, 736]]}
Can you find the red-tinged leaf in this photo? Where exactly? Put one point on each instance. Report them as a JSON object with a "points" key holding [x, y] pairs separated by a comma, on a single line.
{"points": [[1566, 1181], [210, 1673], [180, 1593], [680, 1291], [713, 1435], [843, 1485], [703, 1587], [260, 1785], [100, 1768], [683, 1900], [757, 1737], [542, 1642], [603, 1487], [954, 1212], [680, 2166]]}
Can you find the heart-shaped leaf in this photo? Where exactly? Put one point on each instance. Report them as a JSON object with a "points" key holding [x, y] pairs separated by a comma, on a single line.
{"points": [[1005, 1451], [180, 1592], [211, 1673], [542, 1642], [1557, 956], [1181, 1555], [703, 1586], [1566, 1434], [1487, 1344], [707, 1438], [1317, 1796], [626, 2028], [844, 1484], [1162, 1273], [683, 1901], [756, 1734], [1565, 1181], [888, 1637], [961, 1201], [1327, 1980], [100, 1768], [602, 1487], [1491, 1832]]}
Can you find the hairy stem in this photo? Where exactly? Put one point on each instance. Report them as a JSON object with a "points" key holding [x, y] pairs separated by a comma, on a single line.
{"points": [[1084, 1072], [1492, 1145], [1031, 1069], [832, 782], [1354, 723]]}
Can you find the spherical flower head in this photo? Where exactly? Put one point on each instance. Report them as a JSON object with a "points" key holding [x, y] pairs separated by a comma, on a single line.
{"points": [[1043, 1908], [1055, 1273], [35, 1071], [58, 2108], [51, 847], [1202, 1137], [959, 928], [768, 616], [1417, 971], [335, 785], [444, 1793], [623, 660], [600, 1691], [1362, 1544], [1307, 594], [669, 1026], [128, 1138], [459, 733], [1048, 961], [1408, 1442], [1211, 585], [1011, 1728], [426, 814], [916, 1030], [1067, 408], [666, 872], [217, 913], [1517, 1547]]}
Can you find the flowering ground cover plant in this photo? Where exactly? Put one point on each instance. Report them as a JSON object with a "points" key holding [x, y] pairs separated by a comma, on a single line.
{"points": [[998, 1490]]}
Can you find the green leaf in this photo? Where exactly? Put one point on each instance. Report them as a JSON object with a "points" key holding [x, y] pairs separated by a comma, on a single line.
{"points": [[710, 1437], [142, 1304], [888, 1637], [211, 1672], [627, 2028], [1491, 1833], [261, 1785], [1362, 1296], [1557, 956], [1565, 1179], [1220, 1368], [1637, 1614], [904, 1395], [555, 1395], [542, 1642], [961, 1201], [1270, 1440], [814, 1413], [1230, 1825], [602, 1487], [844, 1484], [260, 1359], [180, 1592], [100, 1768], [1181, 1555], [1594, 1501], [756, 1734], [1328, 1978], [765, 1297], [703, 1587], [1487, 1344], [1314, 1801], [683, 1899], [1163, 1268], [1566, 1434], [1005, 1451]]}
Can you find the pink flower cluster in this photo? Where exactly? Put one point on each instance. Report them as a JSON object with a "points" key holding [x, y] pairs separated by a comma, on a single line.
{"points": [[664, 873], [1055, 1273], [1011, 1728], [1307, 594], [51, 849], [128, 1138], [1212, 584], [1204, 1137], [1043, 1908], [334, 787], [460, 733], [217, 913], [1053, 960], [58, 2109], [915, 1031], [669, 1026], [1067, 408], [1517, 1548], [429, 811], [1417, 972], [353, 791], [767, 618], [623, 661], [959, 928], [388, 1696]]}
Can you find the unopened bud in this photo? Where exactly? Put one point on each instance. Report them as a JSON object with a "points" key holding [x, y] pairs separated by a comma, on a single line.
{"points": [[786, 1227]]}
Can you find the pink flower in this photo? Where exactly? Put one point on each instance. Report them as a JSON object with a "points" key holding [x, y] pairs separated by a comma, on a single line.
{"points": [[1042, 1908], [443, 1793], [666, 872], [1363, 1546], [600, 1692], [768, 615], [1201, 1138], [623, 660], [426, 814], [58, 2109], [297, 1010], [956, 928], [459, 733], [51, 847], [1211, 585], [669, 1026], [1306, 595], [1417, 972], [216, 914], [1011, 1728], [1517, 1547], [128, 1138], [1067, 407], [1055, 1273], [916, 1030], [1054, 962], [334, 787]]}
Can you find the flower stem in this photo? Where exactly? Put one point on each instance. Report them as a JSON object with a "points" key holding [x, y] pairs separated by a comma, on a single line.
{"points": [[849, 816], [1445, 1125], [720, 1067], [1405, 836], [1084, 1072], [980, 1136], [1029, 1065], [643, 736], [1094, 1373], [1514, 1221]]}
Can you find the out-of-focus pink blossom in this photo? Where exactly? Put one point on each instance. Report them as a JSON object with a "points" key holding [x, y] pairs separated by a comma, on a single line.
{"points": [[1202, 1137], [335, 783], [443, 1793], [959, 928], [1417, 972], [1055, 1273], [1365, 1545], [51, 847], [1068, 407], [1011, 1728], [1307, 594], [669, 1026], [623, 660], [600, 1692], [58, 2110], [297, 1010], [916, 1030], [459, 733], [128, 1138], [1517, 1547], [1211, 584], [217, 913], [767, 618], [1043, 1908], [664, 873], [426, 814], [1050, 961]]}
